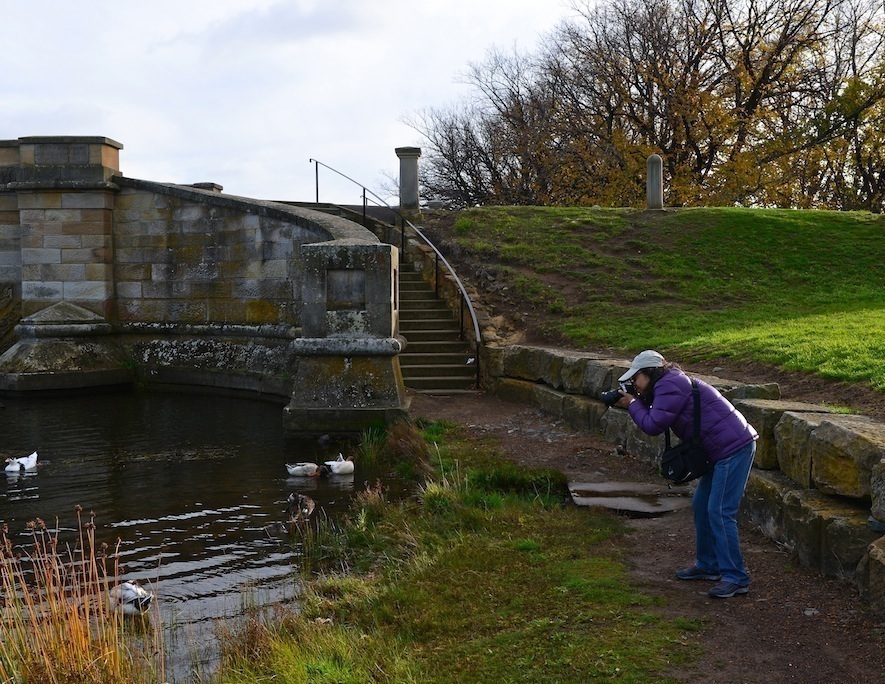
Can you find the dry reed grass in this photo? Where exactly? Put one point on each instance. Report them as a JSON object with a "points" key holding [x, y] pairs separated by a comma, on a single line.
{"points": [[55, 619]]}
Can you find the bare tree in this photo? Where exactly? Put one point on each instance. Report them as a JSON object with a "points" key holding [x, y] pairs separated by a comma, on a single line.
{"points": [[772, 102]]}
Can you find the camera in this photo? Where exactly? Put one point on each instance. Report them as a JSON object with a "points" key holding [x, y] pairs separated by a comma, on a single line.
{"points": [[611, 397]]}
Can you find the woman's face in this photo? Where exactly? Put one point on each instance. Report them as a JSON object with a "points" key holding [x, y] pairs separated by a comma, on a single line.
{"points": [[641, 381]]}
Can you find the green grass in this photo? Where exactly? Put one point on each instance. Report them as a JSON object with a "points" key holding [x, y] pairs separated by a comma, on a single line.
{"points": [[482, 576], [804, 290]]}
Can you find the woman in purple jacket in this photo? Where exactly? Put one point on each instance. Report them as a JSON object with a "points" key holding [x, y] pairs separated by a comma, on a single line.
{"points": [[665, 401]]}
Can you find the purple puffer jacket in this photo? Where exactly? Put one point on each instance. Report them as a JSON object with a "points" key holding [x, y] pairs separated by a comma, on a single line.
{"points": [[723, 429]]}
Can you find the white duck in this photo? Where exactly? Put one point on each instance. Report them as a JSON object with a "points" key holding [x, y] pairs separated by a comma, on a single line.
{"points": [[19, 465], [129, 598], [340, 466], [302, 469]]}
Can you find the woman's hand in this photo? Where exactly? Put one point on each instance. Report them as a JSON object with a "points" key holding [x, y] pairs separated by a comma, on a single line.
{"points": [[625, 400]]}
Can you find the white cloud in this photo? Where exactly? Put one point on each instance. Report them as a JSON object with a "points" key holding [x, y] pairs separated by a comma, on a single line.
{"points": [[244, 93]]}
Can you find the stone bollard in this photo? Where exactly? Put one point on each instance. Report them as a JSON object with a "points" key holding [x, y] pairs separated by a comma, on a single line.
{"points": [[654, 190], [408, 179]]}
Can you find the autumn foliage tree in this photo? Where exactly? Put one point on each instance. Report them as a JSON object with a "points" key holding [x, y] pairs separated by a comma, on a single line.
{"points": [[749, 102]]}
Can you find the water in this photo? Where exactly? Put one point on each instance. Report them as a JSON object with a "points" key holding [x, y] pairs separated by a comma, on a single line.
{"points": [[193, 487]]}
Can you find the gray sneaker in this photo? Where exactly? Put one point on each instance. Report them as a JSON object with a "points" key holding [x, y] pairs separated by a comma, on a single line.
{"points": [[726, 589], [695, 573]]}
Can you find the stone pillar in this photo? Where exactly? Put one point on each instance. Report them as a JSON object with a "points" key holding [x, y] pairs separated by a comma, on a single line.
{"points": [[64, 198], [654, 190], [408, 179], [10, 243], [348, 376], [65, 204]]}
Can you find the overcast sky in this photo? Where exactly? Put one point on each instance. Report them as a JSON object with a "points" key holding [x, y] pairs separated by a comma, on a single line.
{"points": [[243, 93]]}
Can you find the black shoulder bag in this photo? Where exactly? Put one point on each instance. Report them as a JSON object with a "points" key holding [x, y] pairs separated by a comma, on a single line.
{"points": [[687, 460]]}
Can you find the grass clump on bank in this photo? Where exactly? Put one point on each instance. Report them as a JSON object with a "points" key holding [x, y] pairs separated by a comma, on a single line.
{"points": [[804, 290], [484, 575]]}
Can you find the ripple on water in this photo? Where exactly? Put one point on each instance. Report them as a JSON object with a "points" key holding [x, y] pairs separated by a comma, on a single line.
{"points": [[189, 485]]}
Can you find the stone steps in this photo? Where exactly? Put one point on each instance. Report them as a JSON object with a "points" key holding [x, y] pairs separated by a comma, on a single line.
{"points": [[436, 360]]}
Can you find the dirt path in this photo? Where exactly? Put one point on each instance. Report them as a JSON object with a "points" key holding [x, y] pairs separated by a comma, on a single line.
{"points": [[794, 625]]}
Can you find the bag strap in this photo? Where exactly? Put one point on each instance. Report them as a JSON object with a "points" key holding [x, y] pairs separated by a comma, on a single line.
{"points": [[696, 395]]}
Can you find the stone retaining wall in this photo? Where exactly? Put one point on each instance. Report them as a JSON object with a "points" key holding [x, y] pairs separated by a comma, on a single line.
{"points": [[818, 485]]}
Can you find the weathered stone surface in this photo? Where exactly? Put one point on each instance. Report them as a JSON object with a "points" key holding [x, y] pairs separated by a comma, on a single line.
{"points": [[633, 498], [871, 576], [515, 390], [791, 434], [843, 451], [614, 424], [768, 390], [572, 372], [549, 400], [828, 534], [244, 355], [532, 363], [763, 502], [493, 361], [764, 414], [618, 427], [599, 376], [846, 538], [877, 492], [732, 389], [582, 412], [363, 382]]}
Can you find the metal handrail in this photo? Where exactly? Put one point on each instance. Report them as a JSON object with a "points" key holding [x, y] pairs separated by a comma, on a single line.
{"points": [[439, 257]]}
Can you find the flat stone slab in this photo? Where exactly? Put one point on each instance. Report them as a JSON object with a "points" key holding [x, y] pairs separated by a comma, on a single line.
{"points": [[637, 499]]}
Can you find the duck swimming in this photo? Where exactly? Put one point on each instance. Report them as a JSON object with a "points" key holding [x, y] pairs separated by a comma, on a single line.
{"points": [[302, 469], [340, 466], [18, 465], [300, 507], [129, 598]]}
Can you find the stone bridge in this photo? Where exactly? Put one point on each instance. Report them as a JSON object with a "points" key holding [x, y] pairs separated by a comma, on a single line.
{"points": [[108, 280]]}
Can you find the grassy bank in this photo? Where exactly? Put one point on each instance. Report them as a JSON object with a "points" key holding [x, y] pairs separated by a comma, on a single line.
{"points": [[804, 290], [483, 576]]}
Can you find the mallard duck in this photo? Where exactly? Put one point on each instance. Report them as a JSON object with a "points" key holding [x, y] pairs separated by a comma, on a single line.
{"points": [[300, 507], [340, 466], [17, 465], [129, 598], [302, 469]]}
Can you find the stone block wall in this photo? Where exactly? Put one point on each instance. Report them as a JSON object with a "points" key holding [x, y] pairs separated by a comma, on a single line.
{"points": [[818, 484], [190, 256]]}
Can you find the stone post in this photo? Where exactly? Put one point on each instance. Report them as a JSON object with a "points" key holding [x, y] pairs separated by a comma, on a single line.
{"points": [[654, 190], [348, 376], [408, 179]]}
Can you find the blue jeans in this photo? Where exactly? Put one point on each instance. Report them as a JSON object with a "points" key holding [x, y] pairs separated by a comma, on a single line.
{"points": [[715, 503]]}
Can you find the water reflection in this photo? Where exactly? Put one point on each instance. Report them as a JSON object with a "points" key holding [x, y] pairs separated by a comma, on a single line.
{"points": [[192, 487]]}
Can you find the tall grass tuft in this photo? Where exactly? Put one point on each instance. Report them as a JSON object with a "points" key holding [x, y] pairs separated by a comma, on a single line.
{"points": [[401, 445], [370, 448], [58, 626], [317, 541]]}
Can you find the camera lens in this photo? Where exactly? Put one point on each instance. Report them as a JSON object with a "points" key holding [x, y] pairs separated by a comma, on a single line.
{"points": [[610, 398]]}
